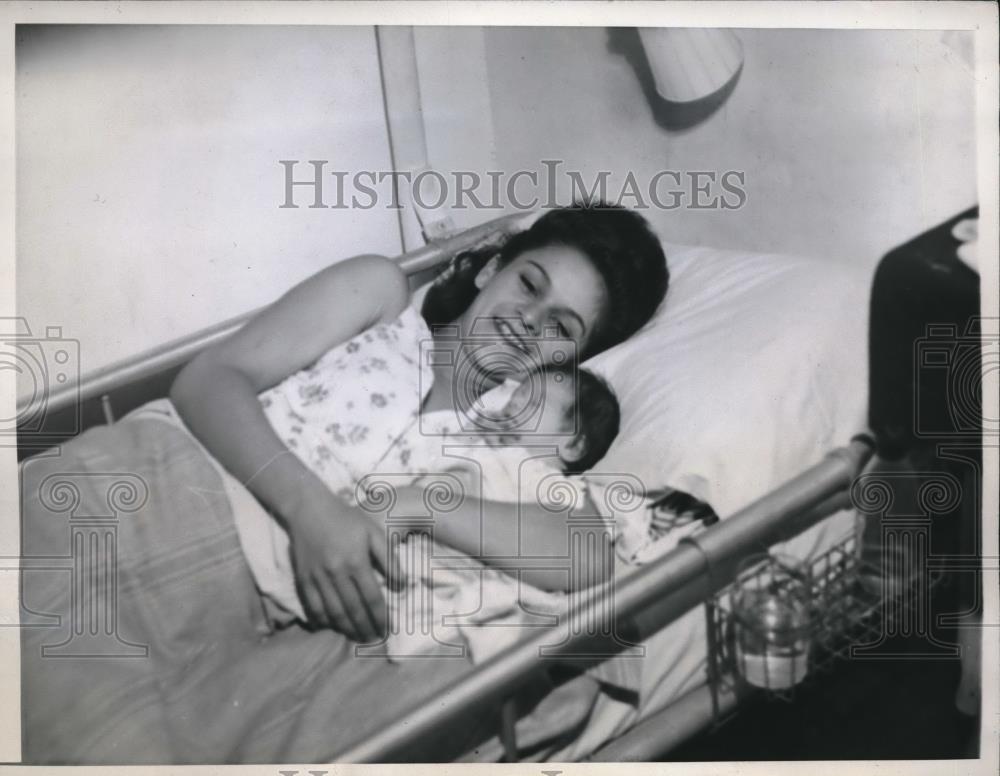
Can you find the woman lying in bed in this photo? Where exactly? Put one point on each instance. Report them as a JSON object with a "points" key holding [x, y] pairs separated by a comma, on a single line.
{"points": [[278, 407], [592, 277]]}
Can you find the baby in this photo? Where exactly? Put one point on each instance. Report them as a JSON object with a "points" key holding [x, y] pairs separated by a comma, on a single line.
{"points": [[576, 416], [523, 442], [556, 420]]}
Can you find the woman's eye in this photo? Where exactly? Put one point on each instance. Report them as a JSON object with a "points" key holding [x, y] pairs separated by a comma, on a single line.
{"points": [[527, 285]]}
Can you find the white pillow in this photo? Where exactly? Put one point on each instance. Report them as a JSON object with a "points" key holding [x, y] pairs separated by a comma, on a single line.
{"points": [[751, 371], [753, 368]]}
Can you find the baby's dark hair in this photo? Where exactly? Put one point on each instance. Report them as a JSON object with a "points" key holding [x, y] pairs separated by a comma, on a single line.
{"points": [[619, 244], [597, 417]]}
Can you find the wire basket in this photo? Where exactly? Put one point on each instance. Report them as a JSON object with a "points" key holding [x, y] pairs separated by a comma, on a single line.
{"points": [[782, 622]]}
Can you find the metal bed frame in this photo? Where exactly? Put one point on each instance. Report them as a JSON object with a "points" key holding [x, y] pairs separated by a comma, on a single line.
{"points": [[656, 595]]}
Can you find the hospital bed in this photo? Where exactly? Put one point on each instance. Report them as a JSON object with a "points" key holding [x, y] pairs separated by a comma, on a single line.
{"points": [[695, 575]]}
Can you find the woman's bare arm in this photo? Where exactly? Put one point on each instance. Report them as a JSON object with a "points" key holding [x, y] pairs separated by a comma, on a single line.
{"points": [[522, 536], [216, 395]]}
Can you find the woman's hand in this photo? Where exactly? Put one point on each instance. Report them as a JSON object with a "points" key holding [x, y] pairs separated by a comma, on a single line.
{"points": [[335, 550]]}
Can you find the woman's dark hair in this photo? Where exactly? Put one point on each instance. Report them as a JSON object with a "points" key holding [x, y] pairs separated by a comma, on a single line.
{"points": [[619, 244]]}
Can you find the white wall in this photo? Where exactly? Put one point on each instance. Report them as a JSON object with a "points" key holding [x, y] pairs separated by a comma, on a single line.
{"points": [[851, 141], [148, 177], [148, 182]]}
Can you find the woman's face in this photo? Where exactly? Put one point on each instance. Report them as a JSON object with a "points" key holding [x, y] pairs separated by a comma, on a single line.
{"points": [[542, 308]]}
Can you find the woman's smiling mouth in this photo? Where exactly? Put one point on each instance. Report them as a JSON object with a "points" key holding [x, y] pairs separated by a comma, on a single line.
{"points": [[510, 336]]}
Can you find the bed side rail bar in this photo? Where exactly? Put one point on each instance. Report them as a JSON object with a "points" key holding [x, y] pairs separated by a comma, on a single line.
{"points": [[660, 732], [180, 351], [652, 597]]}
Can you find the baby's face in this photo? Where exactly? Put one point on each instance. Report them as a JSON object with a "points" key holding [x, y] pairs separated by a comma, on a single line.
{"points": [[540, 412]]}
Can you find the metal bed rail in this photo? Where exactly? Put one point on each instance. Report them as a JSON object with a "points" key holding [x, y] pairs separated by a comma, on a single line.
{"points": [[846, 613], [645, 601], [658, 733]]}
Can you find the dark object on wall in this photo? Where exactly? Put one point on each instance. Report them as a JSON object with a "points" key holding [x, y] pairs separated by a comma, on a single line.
{"points": [[925, 346], [686, 75]]}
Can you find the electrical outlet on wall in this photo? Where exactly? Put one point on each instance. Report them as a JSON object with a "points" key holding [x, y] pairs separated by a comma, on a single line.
{"points": [[440, 229], [429, 197]]}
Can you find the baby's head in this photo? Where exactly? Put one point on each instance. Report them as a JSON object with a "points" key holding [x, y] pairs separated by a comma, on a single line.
{"points": [[576, 411]]}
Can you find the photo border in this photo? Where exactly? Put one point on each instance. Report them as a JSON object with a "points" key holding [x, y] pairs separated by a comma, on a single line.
{"points": [[980, 17]]}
